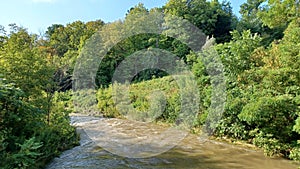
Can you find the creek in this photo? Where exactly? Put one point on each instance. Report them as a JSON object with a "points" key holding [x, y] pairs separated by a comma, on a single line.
{"points": [[190, 152]]}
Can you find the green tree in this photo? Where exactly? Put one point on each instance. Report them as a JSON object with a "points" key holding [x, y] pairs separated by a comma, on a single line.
{"points": [[29, 138], [25, 64], [249, 19], [263, 92], [64, 43], [252, 19], [213, 18], [279, 13]]}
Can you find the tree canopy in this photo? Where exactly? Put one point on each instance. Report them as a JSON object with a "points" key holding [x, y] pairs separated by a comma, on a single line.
{"points": [[259, 52]]}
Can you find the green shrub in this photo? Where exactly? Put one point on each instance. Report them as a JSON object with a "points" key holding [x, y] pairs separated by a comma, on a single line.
{"points": [[295, 152], [29, 139], [157, 99], [27, 156]]}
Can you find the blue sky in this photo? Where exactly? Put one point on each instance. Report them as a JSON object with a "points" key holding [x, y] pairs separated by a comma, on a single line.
{"points": [[37, 15]]}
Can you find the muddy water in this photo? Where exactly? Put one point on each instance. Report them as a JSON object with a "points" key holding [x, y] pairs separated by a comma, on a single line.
{"points": [[191, 152]]}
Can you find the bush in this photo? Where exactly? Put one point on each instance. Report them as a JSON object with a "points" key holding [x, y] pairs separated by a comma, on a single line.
{"points": [[157, 99], [29, 139]]}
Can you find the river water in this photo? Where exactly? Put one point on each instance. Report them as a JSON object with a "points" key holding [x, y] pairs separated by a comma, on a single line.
{"points": [[191, 152]]}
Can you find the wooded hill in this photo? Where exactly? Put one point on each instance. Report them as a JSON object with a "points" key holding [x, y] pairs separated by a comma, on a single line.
{"points": [[259, 51]]}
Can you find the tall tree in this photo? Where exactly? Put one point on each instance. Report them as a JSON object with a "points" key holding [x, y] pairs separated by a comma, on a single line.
{"points": [[249, 19], [279, 13], [25, 64], [213, 18], [65, 43]]}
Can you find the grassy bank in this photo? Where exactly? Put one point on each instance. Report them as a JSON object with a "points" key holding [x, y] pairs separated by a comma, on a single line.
{"points": [[140, 98]]}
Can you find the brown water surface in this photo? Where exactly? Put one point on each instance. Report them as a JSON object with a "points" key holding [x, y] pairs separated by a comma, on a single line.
{"points": [[191, 152]]}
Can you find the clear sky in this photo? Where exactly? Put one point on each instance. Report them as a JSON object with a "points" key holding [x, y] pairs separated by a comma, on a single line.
{"points": [[37, 15]]}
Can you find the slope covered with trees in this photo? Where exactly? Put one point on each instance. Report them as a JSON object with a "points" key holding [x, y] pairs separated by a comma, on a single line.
{"points": [[259, 51], [262, 77], [34, 113], [34, 121]]}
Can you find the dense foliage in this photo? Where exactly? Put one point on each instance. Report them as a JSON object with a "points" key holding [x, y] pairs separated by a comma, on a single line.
{"points": [[259, 52], [262, 74], [262, 105], [34, 119]]}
